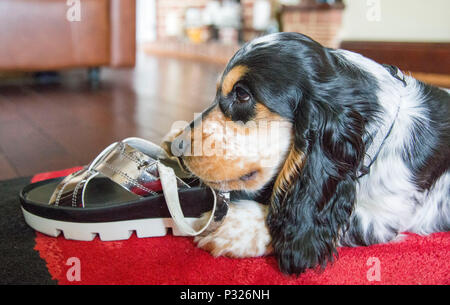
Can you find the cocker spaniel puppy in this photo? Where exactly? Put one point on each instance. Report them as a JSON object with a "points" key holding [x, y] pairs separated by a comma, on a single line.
{"points": [[321, 148]]}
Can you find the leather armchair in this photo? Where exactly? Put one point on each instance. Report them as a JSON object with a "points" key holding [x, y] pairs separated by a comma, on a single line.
{"points": [[36, 35]]}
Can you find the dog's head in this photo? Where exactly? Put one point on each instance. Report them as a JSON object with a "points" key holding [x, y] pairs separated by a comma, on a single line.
{"points": [[286, 115], [243, 140]]}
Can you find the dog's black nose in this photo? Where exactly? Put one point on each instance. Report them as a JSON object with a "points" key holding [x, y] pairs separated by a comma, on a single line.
{"points": [[181, 145]]}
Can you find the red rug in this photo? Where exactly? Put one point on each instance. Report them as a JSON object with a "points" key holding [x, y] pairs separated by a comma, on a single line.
{"points": [[176, 260]]}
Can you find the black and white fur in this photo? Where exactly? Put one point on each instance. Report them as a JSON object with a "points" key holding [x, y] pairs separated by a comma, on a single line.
{"points": [[338, 101], [408, 187]]}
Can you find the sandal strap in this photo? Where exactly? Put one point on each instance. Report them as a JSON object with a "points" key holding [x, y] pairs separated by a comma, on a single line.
{"points": [[169, 186], [123, 164], [131, 169], [69, 192]]}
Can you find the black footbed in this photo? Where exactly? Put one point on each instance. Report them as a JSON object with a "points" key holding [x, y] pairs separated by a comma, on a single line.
{"points": [[107, 202]]}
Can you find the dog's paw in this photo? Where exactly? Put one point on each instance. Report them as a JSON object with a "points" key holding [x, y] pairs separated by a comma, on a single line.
{"points": [[243, 233]]}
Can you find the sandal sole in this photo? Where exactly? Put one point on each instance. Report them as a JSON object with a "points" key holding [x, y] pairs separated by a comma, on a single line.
{"points": [[107, 231]]}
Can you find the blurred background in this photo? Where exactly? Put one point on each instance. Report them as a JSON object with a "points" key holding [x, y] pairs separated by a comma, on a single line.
{"points": [[77, 75], [214, 29]]}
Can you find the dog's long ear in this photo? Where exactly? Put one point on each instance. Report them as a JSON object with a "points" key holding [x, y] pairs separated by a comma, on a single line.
{"points": [[315, 191]]}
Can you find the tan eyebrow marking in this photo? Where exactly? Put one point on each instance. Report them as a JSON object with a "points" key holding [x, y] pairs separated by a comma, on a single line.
{"points": [[232, 77]]}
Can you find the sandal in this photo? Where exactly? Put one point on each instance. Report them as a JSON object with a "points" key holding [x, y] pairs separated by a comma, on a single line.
{"points": [[132, 186]]}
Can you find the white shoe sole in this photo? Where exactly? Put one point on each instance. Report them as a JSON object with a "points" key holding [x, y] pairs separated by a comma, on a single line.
{"points": [[107, 231]]}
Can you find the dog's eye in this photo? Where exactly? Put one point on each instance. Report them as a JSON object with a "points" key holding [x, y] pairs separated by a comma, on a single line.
{"points": [[241, 95]]}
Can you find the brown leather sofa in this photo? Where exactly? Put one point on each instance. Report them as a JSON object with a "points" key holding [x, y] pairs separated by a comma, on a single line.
{"points": [[36, 35]]}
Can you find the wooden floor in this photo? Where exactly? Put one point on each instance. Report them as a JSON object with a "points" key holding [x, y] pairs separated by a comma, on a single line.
{"points": [[66, 124]]}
